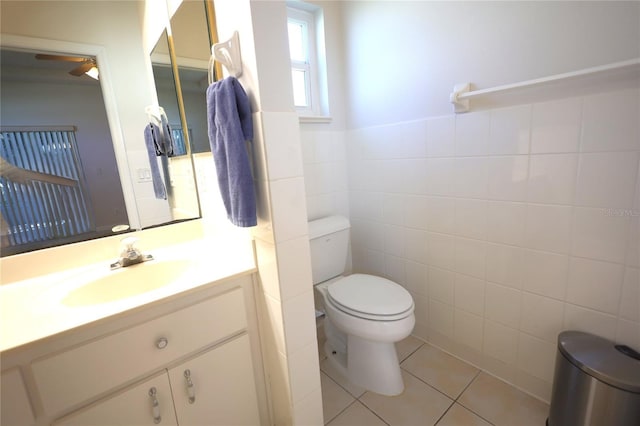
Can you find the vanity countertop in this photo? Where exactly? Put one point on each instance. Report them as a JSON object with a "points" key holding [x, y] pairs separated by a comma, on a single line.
{"points": [[40, 307]]}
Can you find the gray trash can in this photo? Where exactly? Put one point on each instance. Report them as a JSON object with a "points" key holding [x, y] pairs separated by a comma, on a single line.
{"points": [[596, 383]]}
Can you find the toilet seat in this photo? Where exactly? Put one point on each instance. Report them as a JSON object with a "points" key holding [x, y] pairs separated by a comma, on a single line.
{"points": [[370, 297]]}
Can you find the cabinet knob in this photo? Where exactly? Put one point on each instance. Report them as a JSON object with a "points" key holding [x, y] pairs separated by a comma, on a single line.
{"points": [[155, 406], [191, 390], [162, 343]]}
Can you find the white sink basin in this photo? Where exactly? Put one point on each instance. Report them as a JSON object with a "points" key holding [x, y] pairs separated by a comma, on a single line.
{"points": [[127, 282]]}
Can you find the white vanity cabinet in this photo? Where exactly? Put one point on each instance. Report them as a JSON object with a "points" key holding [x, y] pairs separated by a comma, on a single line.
{"points": [[211, 393], [190, 361]]}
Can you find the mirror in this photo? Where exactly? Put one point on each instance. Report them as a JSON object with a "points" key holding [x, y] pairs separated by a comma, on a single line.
{"points": [[187, 46], [181, 189], [190, 34], [127, 89], [167, 91], [54, 124]]}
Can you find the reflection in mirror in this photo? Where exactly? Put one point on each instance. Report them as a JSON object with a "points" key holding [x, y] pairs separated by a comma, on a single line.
{"points": [[181, 187], [166, 91], [60, 181], [192, 50]]}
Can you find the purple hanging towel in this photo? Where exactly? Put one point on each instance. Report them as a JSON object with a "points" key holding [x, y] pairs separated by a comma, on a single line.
{"points": [[230, 125]]}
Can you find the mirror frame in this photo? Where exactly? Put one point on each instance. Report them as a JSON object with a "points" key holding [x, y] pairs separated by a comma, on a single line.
{"points": [[34, 44], [176, 80], [210, 12]]}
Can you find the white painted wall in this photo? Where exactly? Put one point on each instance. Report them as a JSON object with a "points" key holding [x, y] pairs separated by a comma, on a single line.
{"points": [[404, 57]]}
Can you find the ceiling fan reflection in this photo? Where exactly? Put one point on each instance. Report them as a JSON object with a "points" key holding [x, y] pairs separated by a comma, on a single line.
{"points": [[87, 65]]}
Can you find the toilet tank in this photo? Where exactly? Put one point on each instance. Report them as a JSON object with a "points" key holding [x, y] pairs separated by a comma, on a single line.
{"points": [[329, 242]]}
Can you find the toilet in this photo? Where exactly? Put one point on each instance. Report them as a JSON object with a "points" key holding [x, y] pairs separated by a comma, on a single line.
{"points": [[365, 314]]}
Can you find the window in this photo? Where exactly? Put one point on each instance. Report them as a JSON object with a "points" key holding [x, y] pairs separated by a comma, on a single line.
{"points": [[307, 60], [42, 186]]}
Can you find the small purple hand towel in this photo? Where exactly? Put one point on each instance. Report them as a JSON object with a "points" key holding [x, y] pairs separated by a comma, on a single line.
{"points": [[151, 140], [230, 125]]}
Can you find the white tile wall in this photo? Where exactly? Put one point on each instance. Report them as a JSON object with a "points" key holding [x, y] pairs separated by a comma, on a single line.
{"points": [[606, 179], [468, 329], [505, 265], [552, 178], [441, 137], [500, 342], [610, 123], [630, 300], [525, 222], [548, 227], [502, 304], [325, 170], [472, 134], [506, 222], [510, 130], [555, 126]]}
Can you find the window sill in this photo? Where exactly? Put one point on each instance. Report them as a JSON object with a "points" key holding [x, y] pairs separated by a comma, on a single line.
{"points": [[313, 119]]}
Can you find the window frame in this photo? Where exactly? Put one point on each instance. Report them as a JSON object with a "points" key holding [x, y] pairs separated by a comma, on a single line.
{"points": [[310, 65]]}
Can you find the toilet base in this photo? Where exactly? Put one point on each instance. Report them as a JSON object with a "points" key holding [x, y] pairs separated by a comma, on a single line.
{"points": [[371, 365]]}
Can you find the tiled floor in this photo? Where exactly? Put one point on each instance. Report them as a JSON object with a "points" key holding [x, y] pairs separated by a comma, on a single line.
{"points": [[439, 390]]}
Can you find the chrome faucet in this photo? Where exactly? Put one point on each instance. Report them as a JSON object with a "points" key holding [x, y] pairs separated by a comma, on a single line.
{"points": [[129, 254]]}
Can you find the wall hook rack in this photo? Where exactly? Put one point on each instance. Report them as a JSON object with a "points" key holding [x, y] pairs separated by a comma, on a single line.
{"points": [[155, 112], [228, 54]]}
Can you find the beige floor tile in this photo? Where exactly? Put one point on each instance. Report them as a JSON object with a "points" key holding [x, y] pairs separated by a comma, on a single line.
{"points": [[331, 371], [407, 346], [460, 416], [419, 404], [334, 398], [442, 371], [502, 404], [357, 415]]}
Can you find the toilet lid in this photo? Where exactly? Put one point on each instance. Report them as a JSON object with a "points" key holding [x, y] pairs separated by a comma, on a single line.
{"points": [[372, 297]]}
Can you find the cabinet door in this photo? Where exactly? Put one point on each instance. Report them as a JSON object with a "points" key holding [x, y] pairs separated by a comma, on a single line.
{"points": [[15, 405], [133, 406], [221, 387]]}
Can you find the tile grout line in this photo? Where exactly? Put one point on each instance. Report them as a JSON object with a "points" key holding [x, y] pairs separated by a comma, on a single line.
{"points": [[370, 409], [340, 412], [445, 413], [372, 412], [412, 352], [342, 387], [348, 393], [467, 408], [428, 384], [468, 384]]}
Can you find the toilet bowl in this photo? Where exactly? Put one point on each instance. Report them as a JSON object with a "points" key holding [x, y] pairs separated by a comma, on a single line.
{"points": [[365, 314], [361, 342]]}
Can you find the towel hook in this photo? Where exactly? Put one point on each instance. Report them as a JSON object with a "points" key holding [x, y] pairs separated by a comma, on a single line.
{"points": [[228, 54], [155, 112]]}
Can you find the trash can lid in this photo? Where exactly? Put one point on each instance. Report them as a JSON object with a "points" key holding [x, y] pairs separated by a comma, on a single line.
{"points": [[599, 358]]}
